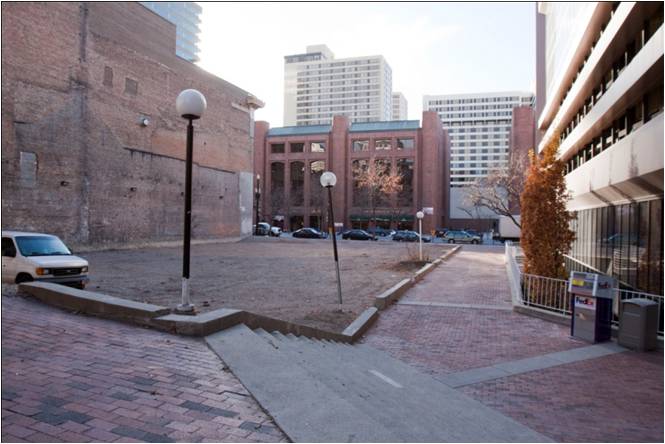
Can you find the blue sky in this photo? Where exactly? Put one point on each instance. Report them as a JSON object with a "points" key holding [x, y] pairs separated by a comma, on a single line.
{"points": [[432, 48]]}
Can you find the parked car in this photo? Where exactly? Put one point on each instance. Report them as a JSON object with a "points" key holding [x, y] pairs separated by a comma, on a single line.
{"points": [[461, 237], [378, 231], [473, 232], [358, 235], [40, 257], [409, 236], [309, 233], [266, 230], [440, 232]]}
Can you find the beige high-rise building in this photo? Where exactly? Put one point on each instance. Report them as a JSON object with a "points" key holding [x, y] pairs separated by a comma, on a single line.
{"points": [[400, 107], [600, 84], [317, 86]]}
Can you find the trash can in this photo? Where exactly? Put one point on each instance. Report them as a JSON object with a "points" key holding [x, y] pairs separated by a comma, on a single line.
{"points": [[591, 306], [638, 324]]}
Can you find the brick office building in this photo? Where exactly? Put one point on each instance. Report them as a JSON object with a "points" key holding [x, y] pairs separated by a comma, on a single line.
{"points": [[290, 161], [92, 147], [522, 138]]}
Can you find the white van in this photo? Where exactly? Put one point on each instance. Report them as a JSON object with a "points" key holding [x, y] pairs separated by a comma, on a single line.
{"points": [[42, 258]]}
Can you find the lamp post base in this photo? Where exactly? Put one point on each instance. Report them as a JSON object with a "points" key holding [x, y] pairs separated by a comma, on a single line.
{"points": [[186, 307]]}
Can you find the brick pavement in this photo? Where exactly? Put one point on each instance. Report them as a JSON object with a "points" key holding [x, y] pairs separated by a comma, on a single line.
{"points": [[616, 398], [440, 340], [623, 403], [80, 379]]}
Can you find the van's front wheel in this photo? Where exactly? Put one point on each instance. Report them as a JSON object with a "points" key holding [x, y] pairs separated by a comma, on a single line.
{"points": [[23, 277]]}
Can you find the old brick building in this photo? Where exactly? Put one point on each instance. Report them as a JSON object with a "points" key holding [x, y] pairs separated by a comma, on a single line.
{"points": [[79, 158], [290, 161]]}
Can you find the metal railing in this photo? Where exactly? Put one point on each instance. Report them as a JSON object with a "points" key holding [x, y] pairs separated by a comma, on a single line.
{"points": [[552, 294], [546, 293]]}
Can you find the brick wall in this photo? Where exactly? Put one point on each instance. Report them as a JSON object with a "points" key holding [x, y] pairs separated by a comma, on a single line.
{"points": [[77, 78], [522, 138], [431, 180]]}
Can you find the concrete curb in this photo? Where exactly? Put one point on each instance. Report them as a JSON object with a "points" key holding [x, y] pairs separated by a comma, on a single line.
{"points": [[160, 318], [393, 294], [362, 323], [93, 303]]}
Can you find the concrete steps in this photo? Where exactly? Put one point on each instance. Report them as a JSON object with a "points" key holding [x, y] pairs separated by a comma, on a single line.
{"points": [[323, 391]]}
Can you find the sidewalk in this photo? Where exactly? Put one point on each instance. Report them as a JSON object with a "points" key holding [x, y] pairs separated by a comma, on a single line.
{"points": [[458, 321], [73, 378]]}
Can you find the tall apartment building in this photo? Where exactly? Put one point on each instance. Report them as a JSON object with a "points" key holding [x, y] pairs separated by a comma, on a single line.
{"points": [[479, 126], [290, 161], [601, 70], [400, 107], [317, 86], [186, 16]]}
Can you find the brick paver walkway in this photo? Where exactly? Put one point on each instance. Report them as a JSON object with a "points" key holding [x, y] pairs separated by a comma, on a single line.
{"points": [[612, 398], [80, 379], [441, 340]]}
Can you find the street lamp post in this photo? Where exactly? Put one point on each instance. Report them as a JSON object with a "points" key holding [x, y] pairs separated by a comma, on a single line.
{"points": [[190, 105], [257, 195], [420, 216], [328, 180]]}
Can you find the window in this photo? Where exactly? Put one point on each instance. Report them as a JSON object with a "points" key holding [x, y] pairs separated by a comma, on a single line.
{"points": [[277, 148], [131, 86], [405, 171], [316, 169], [318, 147], [360, 145], [8, 248], [405, 144], [359, 168], [296, 147], [277, 190], [297, 184], [382, 144]]}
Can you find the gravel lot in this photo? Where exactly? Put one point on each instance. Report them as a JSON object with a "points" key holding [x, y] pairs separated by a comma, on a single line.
{"points": [[290, 279]]}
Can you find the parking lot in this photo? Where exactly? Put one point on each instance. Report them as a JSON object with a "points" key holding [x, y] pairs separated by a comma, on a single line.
{"points": [[286, 278]]}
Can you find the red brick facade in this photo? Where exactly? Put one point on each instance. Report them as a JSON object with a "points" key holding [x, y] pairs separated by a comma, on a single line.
{"points": [[77, 79], [522, 137], [429, 157]]}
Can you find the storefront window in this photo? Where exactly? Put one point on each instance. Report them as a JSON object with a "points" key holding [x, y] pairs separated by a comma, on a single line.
{"points": [[297, 184], [405, 171], [277, 148], [360, 195], [277, 190], [316, 191]]}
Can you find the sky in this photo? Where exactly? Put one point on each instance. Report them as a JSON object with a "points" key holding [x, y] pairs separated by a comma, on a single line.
{"points": [[432, 48]]}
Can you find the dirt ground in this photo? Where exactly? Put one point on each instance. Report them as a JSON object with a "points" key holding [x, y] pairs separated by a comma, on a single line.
{"points": [[290, 279]]}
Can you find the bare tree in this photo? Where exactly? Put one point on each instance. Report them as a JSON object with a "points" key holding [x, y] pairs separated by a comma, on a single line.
{"points": [[501, 189], [376, 186]]}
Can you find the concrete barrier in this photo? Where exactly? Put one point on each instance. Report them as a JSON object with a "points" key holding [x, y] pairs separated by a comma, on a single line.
{"points": [[361, 324], [93, 303]]}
